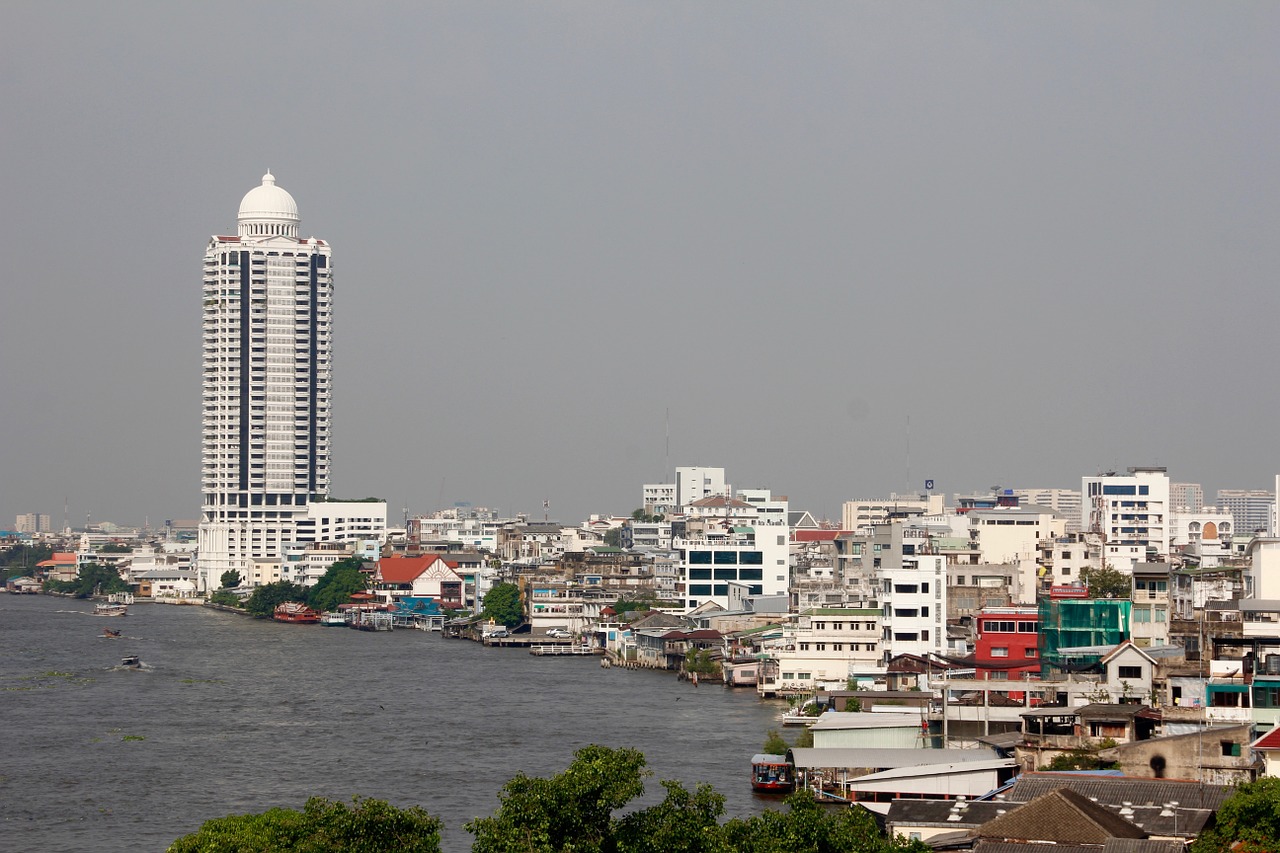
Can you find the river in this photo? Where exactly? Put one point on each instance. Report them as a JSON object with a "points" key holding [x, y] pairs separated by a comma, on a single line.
{"points": [[236, 715]]}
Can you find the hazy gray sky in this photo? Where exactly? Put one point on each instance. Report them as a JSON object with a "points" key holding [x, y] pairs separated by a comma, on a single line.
{"points": [[1044, 232]]}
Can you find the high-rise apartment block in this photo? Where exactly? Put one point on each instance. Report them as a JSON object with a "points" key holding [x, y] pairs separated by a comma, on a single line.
{"points": [[1066, 502], [32, 522], [1251, 509], [268, 300], [1186, 496]]}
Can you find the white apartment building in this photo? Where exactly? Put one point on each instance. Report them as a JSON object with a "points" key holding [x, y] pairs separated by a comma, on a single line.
{"points": [[868, 512], [914, 600], [659, 498], [695, 483], [266, 390], [1012, 534], [1131, 512], [1065, 557], [729, 540], [828, 646]]}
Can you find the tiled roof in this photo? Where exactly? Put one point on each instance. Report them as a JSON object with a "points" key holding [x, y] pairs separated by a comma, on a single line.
{"points": [[814, 535], [1060, 816], [1271, 740], [404, 569]]}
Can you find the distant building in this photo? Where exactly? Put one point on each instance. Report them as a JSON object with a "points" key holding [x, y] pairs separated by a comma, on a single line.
{"points": [[1250, 509], [1186, 496], [32, 522], [1066, 502]]}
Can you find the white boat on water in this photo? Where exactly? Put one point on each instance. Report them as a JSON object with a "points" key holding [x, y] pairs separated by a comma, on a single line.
{"points": [[111, 610], [333, 619]]}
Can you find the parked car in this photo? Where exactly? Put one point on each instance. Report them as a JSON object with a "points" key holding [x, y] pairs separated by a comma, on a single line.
{"points": [[558, 633], [497, 632]]}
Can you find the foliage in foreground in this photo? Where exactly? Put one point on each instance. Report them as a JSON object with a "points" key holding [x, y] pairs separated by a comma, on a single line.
{"points": [[571, 812], [367, 826], [1250, 816]]}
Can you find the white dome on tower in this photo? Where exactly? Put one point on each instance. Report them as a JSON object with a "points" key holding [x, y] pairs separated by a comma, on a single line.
{"points": [[267, 211]]}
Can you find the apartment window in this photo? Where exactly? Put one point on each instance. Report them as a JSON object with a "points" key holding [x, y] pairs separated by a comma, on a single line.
{"points": [[1030, 653], [837, 647], [1134, 672], [822, 647], [804, 647], [1000, 651]]}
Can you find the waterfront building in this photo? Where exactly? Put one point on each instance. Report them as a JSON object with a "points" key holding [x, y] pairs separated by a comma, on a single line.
{"points": [[822, 649], [1251, 509], [267, 335], [867, 512], [728, 540], [1131, 513]]}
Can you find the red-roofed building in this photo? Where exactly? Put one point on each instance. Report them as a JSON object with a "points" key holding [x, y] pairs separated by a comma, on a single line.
{"points": [[1269, 746], [426, 576], [60, 567]]}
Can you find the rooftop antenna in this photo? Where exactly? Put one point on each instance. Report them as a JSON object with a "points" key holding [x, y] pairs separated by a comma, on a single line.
{"points": [[666, 465], [908, 454]]}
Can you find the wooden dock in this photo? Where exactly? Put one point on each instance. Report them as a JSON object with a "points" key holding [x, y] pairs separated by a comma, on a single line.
{"points": [[561, 649]]}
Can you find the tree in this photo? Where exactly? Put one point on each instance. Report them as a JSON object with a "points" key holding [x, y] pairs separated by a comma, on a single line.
{"points": [[92, 579], [808, 828], [342, 579], [502, 604], [613, 537], [230, 579], [570, 811], [1106, 583], [683, 822], [367, 826], [267, 598], [1251, 816], [699, 661], [774, 743], [22, 559], [225, 597]]}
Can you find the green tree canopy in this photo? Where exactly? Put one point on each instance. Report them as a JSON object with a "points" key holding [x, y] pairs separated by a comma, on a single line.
{"points": [[92, 579], [22, 559], [367, 826], [336, 587], [568, 812], [267, 598], [1251, 816], [502, 604], [230, 579], [774, 743], [808, 828], [1106, 583]]}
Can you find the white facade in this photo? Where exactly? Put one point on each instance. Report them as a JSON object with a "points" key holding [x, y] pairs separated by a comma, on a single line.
{"points": [[694, 483], [751, 546], [1131, 512], [829, 646], [659, 498], [914, 597], [266, 388], [856, 514], [1010, 535]]}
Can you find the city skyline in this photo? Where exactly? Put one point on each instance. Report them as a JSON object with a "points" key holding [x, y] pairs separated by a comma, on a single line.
{"points": [[584, 244]]}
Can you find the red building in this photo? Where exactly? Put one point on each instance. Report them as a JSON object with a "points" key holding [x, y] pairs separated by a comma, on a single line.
{"points": [[1008, 644]]}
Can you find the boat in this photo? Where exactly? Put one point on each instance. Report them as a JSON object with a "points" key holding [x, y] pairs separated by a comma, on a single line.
{"points": [[131, 662], [333, 619], [111, 633], [804, 714], [771, 774], [296, 611], [111, 610]]}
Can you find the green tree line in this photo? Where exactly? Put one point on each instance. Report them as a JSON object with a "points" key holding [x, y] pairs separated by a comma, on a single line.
{"points": [[576, 811]]}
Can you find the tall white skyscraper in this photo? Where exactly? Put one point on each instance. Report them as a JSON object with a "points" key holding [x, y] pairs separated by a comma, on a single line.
{"points": [[268, 298]]}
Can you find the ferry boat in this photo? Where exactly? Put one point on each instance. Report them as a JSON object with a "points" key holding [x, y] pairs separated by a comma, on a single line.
{"points": [[333, 619], [111, 610], [295, 611], [771, 774]]}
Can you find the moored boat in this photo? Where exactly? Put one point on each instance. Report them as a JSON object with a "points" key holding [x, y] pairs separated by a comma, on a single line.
{"points": [[333, 619], [295, 611], [771, 774]]}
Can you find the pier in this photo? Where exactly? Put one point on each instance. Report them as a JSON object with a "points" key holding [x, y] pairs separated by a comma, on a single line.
{"points": [[561, 649]]}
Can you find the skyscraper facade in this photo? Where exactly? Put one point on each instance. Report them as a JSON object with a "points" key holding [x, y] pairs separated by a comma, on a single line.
{"points": [[268, 301]]}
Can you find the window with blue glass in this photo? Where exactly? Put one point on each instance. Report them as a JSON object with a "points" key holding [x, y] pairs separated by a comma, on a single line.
{"points": [[751, 574], [700, 558], [751, 558], [722, 589], [700, 589], [699, 574], [726, 574], [726, 558]]}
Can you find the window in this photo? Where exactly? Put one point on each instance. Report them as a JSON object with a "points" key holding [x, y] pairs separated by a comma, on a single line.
{"points": [[1134, 672], [999, 651], [804, 647], [1030, 653], [1028, 627]]}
